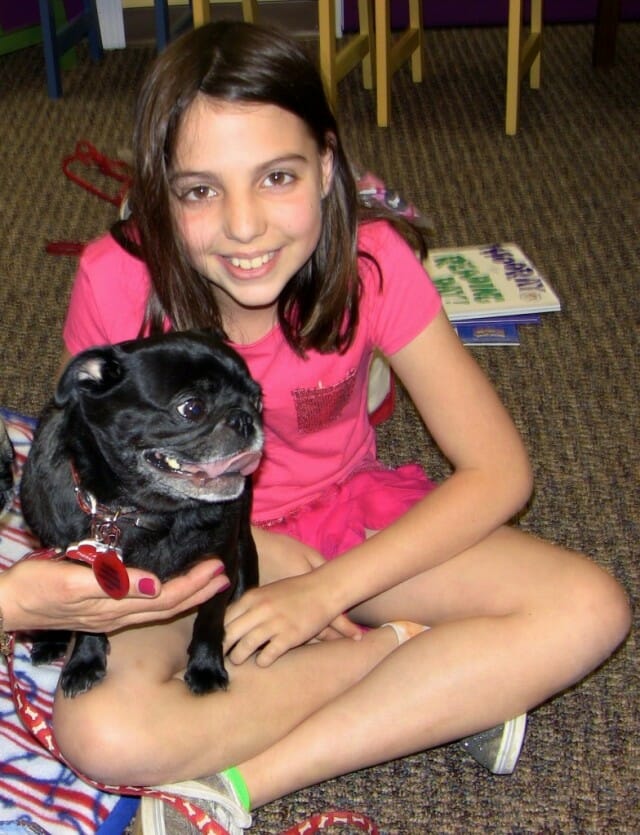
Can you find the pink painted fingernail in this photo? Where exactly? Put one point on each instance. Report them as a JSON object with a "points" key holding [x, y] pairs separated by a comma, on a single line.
{"points": [[225, 586], [147, 586]]}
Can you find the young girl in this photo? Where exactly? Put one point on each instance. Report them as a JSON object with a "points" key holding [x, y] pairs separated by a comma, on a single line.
{"points": [[245, 217]]}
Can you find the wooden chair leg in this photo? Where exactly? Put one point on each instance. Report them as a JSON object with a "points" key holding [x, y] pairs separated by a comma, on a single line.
{"points": [[336, 61], [328, 49], [365, 25], [201, 12], [51, 50], [384, 69], [523, 55], [163, 27], [415, 25], [514, 44], [57, 39], [392, 53], [536, 32], [250, 11]]}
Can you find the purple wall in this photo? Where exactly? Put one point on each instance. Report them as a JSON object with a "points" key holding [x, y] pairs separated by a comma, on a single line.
{"points": [[25, 13], [489, 12]]}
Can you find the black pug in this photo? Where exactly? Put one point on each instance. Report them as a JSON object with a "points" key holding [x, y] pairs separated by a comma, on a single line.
{"points": [[149, 445], [6, 467]]}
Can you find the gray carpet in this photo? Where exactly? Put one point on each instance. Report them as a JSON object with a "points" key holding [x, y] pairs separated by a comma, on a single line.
{"points": [[566, 188]]}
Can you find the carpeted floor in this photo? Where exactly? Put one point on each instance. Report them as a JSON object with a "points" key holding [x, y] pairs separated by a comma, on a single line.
{"points": [[566, 188]]}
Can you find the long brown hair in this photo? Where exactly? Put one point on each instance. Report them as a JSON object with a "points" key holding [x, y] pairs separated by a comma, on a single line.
{"points": [[238, 62]]}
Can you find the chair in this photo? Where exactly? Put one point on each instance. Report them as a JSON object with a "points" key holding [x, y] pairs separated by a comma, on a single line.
{"points": [[336, 62], [523, 55], [198, 14], [59, 39]]}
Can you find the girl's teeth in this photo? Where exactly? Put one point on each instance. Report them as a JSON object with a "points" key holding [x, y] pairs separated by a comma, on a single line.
{"points": [[250, 263]]}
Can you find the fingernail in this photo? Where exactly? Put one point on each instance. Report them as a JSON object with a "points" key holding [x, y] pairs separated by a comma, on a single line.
{"points": [[226, 586], [219, 570], [147, 586]]}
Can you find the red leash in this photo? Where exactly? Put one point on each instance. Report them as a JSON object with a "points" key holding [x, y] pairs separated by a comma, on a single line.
{"points": [[87, 156], [324, 820], [39, 725]]}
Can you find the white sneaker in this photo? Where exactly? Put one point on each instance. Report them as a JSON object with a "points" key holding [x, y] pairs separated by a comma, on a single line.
{"points": [[498, 749], [213, 796]]}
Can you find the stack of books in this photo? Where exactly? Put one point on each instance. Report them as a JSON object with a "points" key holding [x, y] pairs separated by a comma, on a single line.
{"points": [[489, 291]]}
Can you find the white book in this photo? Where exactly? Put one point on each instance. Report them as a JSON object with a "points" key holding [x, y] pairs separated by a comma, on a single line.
{"points": [[477, 282]]}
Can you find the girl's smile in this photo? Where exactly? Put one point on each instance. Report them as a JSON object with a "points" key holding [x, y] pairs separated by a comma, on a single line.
{"points": [[246, 264], [247, 184]]}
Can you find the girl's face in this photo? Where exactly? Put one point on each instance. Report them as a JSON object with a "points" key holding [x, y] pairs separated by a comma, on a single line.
{"points": [[246, 183]]}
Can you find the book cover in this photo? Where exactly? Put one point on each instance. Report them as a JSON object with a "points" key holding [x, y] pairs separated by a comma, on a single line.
{"points": [[487, 333], [477, 282], [514, 319]]}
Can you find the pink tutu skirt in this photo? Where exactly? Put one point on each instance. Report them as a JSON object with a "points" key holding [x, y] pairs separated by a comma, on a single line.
{"points": [[369, 500]]}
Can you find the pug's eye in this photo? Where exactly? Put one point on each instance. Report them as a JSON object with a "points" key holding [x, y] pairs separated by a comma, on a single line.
{"points": [[192, 409]]}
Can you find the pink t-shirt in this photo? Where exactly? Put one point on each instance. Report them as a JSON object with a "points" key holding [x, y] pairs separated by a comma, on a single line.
{"points": [[317, 430]]}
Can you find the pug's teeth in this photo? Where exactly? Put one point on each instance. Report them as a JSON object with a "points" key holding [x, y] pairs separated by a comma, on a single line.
{"points": [[173, 463]]}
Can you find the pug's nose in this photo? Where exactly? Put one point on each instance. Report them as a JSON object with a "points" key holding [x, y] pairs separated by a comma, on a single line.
{"points": [[241, 422]]}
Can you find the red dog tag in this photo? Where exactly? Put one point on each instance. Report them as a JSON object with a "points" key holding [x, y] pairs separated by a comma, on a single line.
{"points": [[111, 573], [108, 568]]}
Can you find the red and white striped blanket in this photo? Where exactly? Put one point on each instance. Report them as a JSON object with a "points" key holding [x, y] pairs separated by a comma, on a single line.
{"points": [[36, 788]]}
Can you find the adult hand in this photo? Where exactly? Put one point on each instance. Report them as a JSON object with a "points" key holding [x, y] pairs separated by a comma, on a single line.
{"points": [[48, 594]]}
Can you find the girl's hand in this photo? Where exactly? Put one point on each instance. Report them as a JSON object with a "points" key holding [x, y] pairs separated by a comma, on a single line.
{"points": [[281, 615], [41, 594], [282, 556]]}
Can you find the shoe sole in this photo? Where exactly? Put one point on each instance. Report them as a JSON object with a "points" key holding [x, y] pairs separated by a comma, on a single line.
{"points": [[510, 745]]}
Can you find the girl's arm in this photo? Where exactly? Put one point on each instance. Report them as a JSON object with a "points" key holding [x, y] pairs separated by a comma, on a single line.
{"points": [[491, 481]]}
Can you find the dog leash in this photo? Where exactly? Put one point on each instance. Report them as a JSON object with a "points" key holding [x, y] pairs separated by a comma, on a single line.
{"points": [[90, 157], [39, 725], [87, 156]]}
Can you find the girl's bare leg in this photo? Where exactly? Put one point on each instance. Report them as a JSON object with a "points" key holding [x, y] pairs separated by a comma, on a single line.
{"points": [[141, 726], [514, 620]]}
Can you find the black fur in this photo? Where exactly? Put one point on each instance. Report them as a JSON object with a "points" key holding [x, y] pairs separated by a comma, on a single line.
{"points": [[6, 467], [169, 426]]}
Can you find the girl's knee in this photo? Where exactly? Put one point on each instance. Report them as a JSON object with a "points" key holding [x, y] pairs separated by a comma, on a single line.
{"points": [[602, 607], [95, 740]]}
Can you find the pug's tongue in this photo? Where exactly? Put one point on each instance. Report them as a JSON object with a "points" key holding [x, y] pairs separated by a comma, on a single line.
{"points": [[244, 463]]}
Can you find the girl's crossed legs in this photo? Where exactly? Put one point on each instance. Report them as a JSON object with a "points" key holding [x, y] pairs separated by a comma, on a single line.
{"points": [[513, 621]]}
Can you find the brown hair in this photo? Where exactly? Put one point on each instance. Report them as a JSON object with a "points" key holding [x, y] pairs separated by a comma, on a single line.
{"points": [[238, 62]]}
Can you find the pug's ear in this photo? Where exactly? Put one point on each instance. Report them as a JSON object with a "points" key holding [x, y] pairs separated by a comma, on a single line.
{"points": [[94, 371]]}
